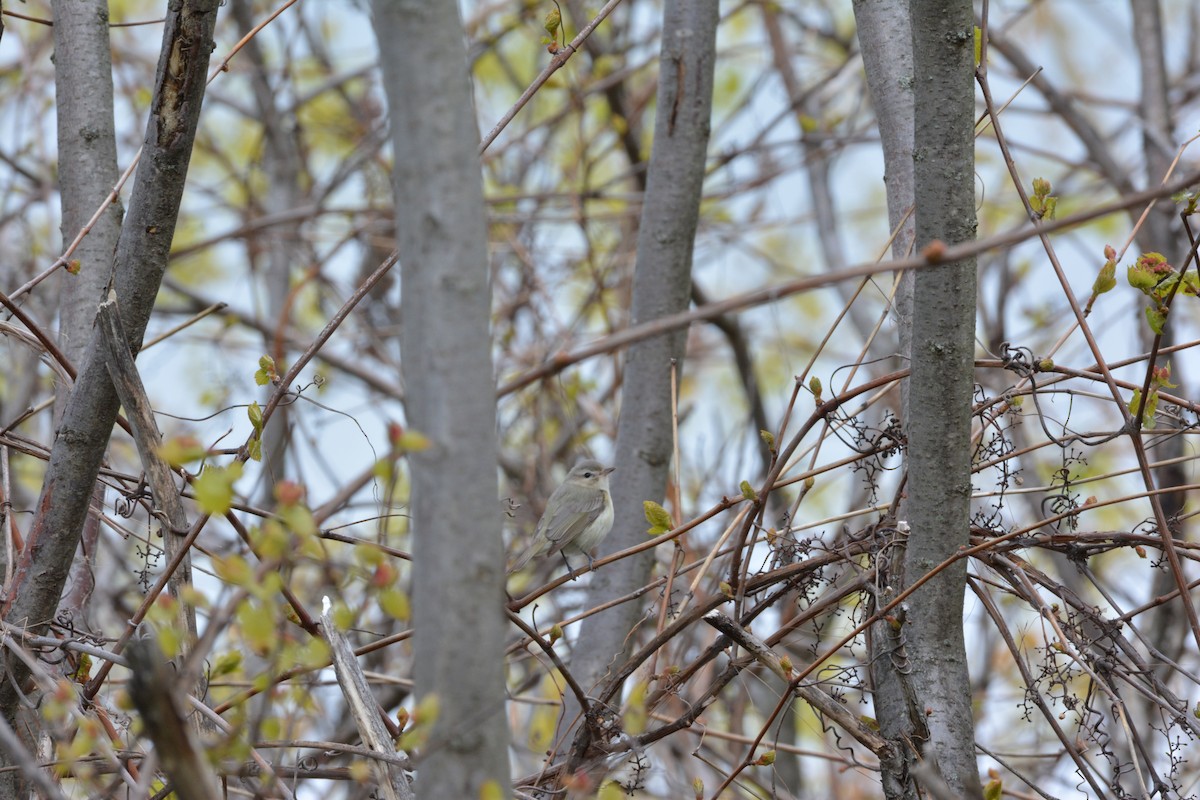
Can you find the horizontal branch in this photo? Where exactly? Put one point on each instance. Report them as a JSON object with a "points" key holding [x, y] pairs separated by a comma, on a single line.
{"points": [[771, 294]]}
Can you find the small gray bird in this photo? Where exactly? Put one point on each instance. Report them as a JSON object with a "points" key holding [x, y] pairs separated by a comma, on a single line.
{"points": [[578, 515]]}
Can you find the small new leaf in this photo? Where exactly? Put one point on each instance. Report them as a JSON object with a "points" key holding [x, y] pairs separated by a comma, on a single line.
{"points": [[748, 491], [412, 442], [1041, 202], [1105, 281], [267, 372], [182, 449], [394, 603], [636, 716], [552, 22], [660, 521], [1147, 410], [254, 412], [233, 569], [1156, 318], [226, 664], [214, 487]]}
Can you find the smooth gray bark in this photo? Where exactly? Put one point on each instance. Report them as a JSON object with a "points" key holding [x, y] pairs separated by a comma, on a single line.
{"points": [[87, 161], [458, 582], [941, 384], [87, 139], [661, 286], [87, 172], [141, 259], [885, 41]]}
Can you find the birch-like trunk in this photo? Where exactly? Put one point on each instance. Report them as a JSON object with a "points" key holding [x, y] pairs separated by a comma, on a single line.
{"points": [[458, 580], [661, 286], [940, 392]]}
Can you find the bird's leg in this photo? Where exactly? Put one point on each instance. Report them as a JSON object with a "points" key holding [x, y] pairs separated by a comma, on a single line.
{"points": [[568, 563]]}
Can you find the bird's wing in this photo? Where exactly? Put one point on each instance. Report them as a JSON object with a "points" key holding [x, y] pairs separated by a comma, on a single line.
{"points": [[572, 519], [566, 529]]}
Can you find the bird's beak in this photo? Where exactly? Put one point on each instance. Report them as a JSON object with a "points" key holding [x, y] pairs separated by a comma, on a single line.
{"points": [[608, 470]]}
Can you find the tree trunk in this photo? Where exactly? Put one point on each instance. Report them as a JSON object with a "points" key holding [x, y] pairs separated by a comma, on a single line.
{"points": [[458, 582], [141, 259], [87, 172], [661, 286], [940, 391], [885, 40]]}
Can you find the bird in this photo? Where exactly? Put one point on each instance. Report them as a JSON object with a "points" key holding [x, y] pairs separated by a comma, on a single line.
{"points": [[578, 515]]}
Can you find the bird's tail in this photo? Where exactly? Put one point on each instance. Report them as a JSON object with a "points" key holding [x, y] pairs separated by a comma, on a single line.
{"points": [[529, 552]]}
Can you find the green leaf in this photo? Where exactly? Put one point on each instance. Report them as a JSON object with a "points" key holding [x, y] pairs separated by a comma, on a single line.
{"points": [[1141, 279], [660, 521], [1191, 284], [1151, 410], [993, 791], [611, 790], [394, 603], [978, 45], [748, 491], [768, 437], [180, 450], [342, 616], [552, 22], [1147, 413], [412, 442], [382, 470], [1107, 279], [271, 541], [254, 448], [267, 371], [258, 626], [254, 412], [297, 517], [226, 664], [635, 709], [170, 640], [233, 569], [1157, 319], [214, 487]]}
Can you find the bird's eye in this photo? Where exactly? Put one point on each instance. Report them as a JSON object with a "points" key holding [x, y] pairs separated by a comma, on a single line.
{"points": [[587, 474]]}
